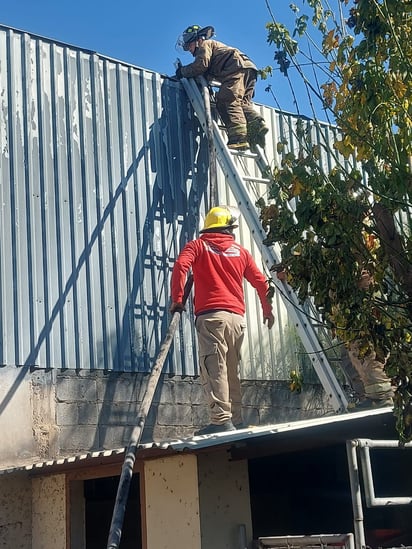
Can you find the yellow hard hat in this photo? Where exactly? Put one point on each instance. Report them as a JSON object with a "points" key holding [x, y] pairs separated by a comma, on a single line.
{"points": [[221, 217]]}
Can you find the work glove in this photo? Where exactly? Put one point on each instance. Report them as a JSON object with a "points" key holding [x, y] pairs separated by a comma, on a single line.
{"points": [[179, 73], [282, 276], [177, 307], [270, 319]]}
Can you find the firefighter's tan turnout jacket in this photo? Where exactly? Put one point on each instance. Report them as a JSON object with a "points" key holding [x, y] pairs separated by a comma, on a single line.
{"points": [[215, 60]]}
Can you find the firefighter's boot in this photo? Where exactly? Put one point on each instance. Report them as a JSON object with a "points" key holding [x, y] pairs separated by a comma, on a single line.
{"points": [[377, 395], [256, 132], [237, 138]]}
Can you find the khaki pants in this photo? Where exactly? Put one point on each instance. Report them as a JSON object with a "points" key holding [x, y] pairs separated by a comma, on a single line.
{"points": [[352, 373], [220, 336], [234, 102], [371, 371]]}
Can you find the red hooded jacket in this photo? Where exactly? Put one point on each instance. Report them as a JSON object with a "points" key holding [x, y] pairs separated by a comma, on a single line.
{"points": [[219, 266]]}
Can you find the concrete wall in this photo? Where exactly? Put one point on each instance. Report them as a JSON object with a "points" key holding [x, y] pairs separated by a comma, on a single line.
{"points": [[32, 512], [15, 511], [170, 505], [16, 415], [49, 512], [225, 514], [46, 414], [198, 501]]}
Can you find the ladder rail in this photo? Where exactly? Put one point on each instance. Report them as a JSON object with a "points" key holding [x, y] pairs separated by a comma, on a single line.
{"points": [[270, 257]]}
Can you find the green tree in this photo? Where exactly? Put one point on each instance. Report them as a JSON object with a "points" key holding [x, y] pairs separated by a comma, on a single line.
{"points": [[333, 222]]}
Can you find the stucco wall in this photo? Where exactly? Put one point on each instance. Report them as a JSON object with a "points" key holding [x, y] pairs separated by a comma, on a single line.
{"points": [[49, 512], [15, 511], [225, 512], [171, 503]]}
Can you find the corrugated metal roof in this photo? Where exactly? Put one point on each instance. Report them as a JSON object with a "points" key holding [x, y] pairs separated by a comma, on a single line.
{"points": [[85, 152], [103, 178], [286, 436]]}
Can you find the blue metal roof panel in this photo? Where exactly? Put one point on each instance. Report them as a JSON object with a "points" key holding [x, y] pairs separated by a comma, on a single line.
{"points": [[103, 179]]}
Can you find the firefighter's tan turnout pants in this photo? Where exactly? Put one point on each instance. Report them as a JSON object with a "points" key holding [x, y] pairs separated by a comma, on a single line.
{"points": [[377, 385], [234, 102]]}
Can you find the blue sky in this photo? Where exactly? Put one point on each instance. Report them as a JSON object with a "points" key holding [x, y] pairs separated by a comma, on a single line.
{"points": [[144, 32]]}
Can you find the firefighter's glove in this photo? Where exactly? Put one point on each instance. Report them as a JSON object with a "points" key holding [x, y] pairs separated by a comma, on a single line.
{"points": [[179, 73], [270, 320], [282, 276], [177, 307]]}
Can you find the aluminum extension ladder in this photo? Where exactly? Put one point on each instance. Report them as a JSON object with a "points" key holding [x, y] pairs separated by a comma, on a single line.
{"points": [[246, 204]]}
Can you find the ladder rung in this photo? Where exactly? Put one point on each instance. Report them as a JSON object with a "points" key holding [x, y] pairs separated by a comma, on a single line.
{"points": [[246, 154], [257, 179]]}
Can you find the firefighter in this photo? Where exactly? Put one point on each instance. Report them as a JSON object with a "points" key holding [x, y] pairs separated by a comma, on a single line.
{"points": [[363, 365], [370, 363], [370, 367], [237, 76], [219, 266]]}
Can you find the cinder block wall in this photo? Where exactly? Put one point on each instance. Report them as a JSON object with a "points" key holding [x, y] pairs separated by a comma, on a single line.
{"points": [[95, 410], [67, 412]]}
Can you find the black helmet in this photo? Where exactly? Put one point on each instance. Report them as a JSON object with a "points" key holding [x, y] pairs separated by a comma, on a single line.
{"points": [[193, 33]]}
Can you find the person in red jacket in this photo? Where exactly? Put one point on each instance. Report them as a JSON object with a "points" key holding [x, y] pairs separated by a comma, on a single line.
{"points": [[219, 265], [237, 76]]}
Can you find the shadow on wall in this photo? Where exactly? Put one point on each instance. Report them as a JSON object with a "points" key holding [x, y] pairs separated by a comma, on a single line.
{"points": [[172, 217], [168, 181]]}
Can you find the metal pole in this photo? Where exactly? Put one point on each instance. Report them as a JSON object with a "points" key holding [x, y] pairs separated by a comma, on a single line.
{"points": [[128, 464], [365, 445], [356, 494]]}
